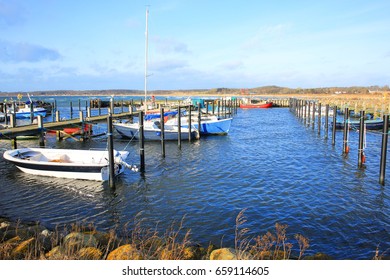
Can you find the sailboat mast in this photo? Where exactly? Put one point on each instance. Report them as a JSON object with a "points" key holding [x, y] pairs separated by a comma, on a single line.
{"points": [[146, 57]]}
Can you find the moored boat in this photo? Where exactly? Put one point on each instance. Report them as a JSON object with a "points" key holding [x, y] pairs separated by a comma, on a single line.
{"points": [[256, 105], [355, 124], [66, 163], [152, 131], [209, 125]]}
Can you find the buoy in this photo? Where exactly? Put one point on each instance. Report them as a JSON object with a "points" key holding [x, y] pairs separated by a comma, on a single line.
{"points": [[347, 149], [363, 158]]}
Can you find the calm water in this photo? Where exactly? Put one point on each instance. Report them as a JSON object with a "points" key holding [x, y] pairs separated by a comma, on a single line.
{"points": [[270, 163]]}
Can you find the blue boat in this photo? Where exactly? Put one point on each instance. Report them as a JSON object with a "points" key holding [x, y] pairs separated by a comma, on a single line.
{"points": [[209, 125], [355, 124], [25, 113]]}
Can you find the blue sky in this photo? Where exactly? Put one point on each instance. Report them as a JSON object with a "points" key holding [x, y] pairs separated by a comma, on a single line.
{"points": [[194, 44]]}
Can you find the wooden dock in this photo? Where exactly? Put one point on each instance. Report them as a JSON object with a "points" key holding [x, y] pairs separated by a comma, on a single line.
{"points": [[35, 129]]}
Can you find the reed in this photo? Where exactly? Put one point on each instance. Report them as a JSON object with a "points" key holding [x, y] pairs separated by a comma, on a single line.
{"points": [[82, 241]]}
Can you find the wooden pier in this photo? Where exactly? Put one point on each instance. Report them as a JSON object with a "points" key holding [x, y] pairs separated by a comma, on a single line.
{"points": [[36, 129]]}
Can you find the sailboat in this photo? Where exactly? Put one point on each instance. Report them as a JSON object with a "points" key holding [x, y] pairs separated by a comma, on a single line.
{"points": [[152, 127]]}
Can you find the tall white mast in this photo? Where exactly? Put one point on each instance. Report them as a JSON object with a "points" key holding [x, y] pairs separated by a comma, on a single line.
{"points": [[146, 57]]}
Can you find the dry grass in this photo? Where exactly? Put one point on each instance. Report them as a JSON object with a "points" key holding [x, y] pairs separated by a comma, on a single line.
{"points": [[270, 246], [78, 242]]}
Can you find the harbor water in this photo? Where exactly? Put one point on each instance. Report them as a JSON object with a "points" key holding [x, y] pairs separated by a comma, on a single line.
{"points": [[271, 164]]}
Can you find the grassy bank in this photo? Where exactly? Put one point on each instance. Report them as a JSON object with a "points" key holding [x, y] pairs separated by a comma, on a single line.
{"points": [[32, 241]]}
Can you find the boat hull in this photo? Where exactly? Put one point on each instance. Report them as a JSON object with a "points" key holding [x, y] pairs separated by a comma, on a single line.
{"points": [[151, 134], [27, 114], [255, 106], [370, 124], [65, 163]]}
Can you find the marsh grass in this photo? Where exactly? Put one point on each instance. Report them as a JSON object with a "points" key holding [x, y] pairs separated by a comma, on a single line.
{"points": [[270, 246], [82, 241]]}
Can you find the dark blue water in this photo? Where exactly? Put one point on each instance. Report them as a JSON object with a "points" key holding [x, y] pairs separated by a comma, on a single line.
{"points": [[270, 164]]}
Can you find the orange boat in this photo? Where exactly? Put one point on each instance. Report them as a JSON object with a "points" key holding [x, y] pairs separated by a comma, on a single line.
{"points": [[253, 106]]}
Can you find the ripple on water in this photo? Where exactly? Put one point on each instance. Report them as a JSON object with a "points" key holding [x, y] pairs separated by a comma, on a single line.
{"points": [[270, 164]]}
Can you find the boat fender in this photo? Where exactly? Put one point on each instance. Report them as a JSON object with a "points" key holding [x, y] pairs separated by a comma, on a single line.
{"points": [[347, 149], [363, 158]]}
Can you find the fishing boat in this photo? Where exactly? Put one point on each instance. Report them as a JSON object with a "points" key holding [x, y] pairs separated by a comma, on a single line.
{"points": [[256, 105], [67, 163], [152, 131], [355, 124], [25, 112], [209, 125]]}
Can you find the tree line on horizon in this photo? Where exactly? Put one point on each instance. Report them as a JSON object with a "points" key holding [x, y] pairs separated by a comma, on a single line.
{"points": [[264, 90]]}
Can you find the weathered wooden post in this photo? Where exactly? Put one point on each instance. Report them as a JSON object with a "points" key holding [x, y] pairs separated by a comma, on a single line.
{"points": [[319, 118], [41, 130], [334, 125], [305, 112], [189, 123], [141, 142], [79, 105], [313, 115], [179, 127], [326, 120], [346, 131], [162, 131], [71, 110], [361, 158], [31, 112], [58, 133], [199, 121], [385, 137], [112, 106], [14, 143], [12, 119], [111, 161], [308, 113]]}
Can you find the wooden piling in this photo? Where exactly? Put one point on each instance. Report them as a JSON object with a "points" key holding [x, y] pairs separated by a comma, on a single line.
{"points": [[319, 118], [334, 126], [199, 121], [346, 131], [110, 143], [141, 142], [31, 112], [41, 131], [190, 123], [385, 137], [326, 120], [361, 140], [162, 132], [313, 115], [179, 127]]}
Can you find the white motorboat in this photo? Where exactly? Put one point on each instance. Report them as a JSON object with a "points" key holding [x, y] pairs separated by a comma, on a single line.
{"points": [[152, 131], [67, 163], [209, 125]]}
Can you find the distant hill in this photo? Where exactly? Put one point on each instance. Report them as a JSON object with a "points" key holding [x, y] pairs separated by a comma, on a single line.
{"points": [[265, 90]]}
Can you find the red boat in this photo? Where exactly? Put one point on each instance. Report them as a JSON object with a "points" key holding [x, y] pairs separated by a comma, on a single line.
{"points": [[252, 106]]}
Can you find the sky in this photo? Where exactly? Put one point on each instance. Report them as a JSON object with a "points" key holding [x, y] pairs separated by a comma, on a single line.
{"points": [[193, 44]]}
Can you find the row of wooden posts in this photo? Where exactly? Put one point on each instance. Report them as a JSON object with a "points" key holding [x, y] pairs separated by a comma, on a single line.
{"points": [[306, 110], [231, 111]]}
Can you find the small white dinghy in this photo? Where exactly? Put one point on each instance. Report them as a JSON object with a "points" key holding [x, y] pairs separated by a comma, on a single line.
{"points": [[67, 163]]}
